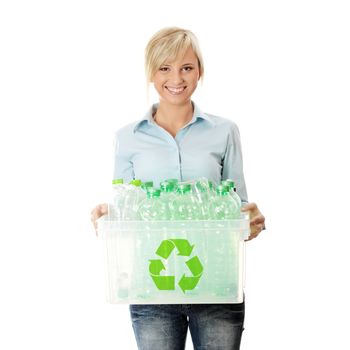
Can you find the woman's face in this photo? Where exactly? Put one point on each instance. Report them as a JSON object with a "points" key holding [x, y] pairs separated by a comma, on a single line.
{"points": [[176, 81]]}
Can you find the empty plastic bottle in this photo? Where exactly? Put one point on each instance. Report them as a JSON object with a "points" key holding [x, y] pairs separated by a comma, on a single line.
{"points": [[153, 207], [116, 204], [132, 199], [202, 193], [212, 192], [185, 204], [223, 206], [231, 184], [167, 194]]}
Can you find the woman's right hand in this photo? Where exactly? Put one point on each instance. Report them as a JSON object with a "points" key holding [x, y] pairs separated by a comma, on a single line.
{"points": [[97, 212]]}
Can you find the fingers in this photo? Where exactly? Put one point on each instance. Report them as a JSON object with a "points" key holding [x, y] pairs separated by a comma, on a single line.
{"points": [[249, 207], [255, 230], [257, 220], [97, 212], [93, 218]]}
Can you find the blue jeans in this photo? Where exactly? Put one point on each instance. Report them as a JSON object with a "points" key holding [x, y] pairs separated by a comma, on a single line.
{"points": [[164, 327]]}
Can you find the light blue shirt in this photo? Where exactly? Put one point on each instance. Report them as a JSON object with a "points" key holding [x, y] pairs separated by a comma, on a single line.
{"points": [[208, 146]]}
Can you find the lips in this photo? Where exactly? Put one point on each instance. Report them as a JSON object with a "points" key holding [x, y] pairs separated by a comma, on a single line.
{"points": [[176, 90]]}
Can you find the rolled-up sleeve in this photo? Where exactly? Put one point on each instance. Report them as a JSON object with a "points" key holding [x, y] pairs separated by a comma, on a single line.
{"points": [[233, 162]]}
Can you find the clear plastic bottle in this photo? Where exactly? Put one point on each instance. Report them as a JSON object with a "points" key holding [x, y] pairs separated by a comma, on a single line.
{"points": [[167, 194], [153, 207], [211, 191], [132, 199], [186, 206], [223, 206], [201, 190], [116, 204], [232, 191]]}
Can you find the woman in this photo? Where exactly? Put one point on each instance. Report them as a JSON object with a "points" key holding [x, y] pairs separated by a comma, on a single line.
{"points": [[175, 139]]}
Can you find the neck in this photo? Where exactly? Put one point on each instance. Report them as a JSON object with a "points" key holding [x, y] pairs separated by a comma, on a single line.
{"points": [[173, 116]]}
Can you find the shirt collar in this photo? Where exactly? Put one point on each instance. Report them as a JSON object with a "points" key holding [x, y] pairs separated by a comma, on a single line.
{"points": [[197, 114]]}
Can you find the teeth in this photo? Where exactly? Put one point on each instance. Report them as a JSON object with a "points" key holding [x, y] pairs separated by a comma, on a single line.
{"points": [[176, 90]]}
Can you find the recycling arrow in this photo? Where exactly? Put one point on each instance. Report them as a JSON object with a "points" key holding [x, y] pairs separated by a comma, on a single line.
{"points": [[166, 247], [195, 266], [164, 282], [189, 283], [164, 250], [156, 266], [183, 246]]}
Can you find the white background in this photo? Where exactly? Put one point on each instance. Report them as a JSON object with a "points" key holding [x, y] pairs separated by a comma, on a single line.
{"points": [[71, 73]]}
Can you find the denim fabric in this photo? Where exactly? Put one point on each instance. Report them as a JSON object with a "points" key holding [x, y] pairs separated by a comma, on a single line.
{"points": [[164, 327]]}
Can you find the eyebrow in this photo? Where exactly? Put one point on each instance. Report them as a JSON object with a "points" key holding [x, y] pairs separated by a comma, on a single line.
{"points": [[185, 64]]}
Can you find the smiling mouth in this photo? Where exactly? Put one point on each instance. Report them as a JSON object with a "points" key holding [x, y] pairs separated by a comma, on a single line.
{"points": [[176, 91]]}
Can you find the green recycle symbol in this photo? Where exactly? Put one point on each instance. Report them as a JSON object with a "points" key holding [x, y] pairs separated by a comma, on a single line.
{"points": [[168, 282]]}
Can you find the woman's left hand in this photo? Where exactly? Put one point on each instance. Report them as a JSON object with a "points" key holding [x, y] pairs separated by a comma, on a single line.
{"points": [[257, 220]]}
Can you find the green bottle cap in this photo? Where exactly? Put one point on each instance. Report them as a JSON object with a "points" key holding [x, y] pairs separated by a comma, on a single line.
{"points": [[117, 181], [135, 182], [184, 188], [221, 190], [153, 192], [146, 185], [166, 186], [226, 185], [231, 183]]}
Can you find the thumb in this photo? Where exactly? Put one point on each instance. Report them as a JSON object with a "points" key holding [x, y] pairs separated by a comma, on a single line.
{"points": [[249, 206]]}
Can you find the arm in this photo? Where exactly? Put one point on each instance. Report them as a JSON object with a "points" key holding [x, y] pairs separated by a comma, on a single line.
{"points": [[233, 168], [122, 170]]}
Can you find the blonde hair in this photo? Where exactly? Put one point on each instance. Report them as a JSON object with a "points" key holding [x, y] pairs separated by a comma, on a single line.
{"points": [[167, 44]]}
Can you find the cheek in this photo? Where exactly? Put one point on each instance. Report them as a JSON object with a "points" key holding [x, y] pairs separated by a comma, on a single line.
{"points": [[194, 83], [194, 79], [158, 82], [159, 86]]}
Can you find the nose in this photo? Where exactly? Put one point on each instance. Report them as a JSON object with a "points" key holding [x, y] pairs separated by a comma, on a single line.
{"points": [[176, 77]]}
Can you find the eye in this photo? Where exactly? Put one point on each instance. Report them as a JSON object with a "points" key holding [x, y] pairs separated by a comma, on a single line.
{"points": [[187, 68], [164, 69]]}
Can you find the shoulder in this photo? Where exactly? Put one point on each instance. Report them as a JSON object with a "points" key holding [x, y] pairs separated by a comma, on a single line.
{"points": [[214, 120], [127, 130], [225, 129], [222, 122], [130, 129]]}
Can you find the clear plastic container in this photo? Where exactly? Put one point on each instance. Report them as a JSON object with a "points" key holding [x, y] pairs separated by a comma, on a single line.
{"points": [[174, 262]]}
